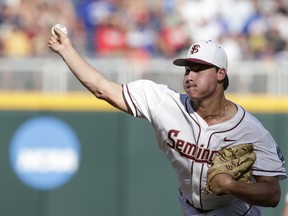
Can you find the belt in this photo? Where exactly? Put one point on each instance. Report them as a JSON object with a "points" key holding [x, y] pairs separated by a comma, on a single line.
{"points": [[198, 209], [190, 204]]}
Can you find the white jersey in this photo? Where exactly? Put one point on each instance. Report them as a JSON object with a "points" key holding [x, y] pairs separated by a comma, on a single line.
{"points": [[190, 143]]}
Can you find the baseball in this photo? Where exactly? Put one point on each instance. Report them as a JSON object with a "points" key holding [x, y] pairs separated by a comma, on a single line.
{"points": [[59, 26]]}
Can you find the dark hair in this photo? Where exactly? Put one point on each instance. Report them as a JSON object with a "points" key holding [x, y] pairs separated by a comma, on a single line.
{"points": [[225, 81]]}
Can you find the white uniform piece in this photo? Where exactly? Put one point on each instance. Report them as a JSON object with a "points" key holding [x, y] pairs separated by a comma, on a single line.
{"points": [[190, 145]]}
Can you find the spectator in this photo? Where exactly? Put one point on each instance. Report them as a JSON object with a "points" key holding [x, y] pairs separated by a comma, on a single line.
{"points": [[144, 29]]}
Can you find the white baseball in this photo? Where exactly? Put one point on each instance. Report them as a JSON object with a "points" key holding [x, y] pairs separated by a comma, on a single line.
{"points": [[59, 26]]}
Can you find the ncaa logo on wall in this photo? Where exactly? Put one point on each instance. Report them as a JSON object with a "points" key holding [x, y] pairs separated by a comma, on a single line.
{"points": [[45, 153]]}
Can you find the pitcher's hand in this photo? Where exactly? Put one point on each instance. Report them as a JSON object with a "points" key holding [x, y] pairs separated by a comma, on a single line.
{"points": [[57, 44]]}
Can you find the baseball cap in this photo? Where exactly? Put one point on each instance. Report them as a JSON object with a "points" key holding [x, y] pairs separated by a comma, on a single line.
{"points": [[205, 52]]}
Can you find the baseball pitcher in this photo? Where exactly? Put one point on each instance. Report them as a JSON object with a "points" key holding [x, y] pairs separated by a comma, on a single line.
{"points": [[226, 162]]}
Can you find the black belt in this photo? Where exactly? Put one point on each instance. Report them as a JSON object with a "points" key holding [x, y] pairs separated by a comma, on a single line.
{"points": [[198, 209], [189, 203]]}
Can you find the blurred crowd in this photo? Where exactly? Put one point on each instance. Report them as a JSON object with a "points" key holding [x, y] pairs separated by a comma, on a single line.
{"points": [[143, 29]]}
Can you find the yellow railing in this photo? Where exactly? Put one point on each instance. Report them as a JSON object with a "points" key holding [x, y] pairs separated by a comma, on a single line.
{"points": [[60, 102], [87, 102]]}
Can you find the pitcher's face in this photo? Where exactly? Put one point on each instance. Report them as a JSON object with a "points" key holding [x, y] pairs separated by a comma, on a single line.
{"points": [[200, 81]]}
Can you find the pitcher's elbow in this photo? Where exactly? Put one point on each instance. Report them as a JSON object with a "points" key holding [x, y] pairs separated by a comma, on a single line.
{"points": [[274, 201]]}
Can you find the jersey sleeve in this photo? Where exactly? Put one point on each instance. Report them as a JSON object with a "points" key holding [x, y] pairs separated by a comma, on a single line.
{"points": [[269, 161], [144, 97]]}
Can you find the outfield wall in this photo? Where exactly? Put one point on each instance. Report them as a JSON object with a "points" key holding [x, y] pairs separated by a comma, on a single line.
{"points": [[121, 170]]}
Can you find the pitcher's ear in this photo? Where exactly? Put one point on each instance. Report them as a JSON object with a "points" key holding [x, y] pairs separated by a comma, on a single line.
{"points": [[221, 74]]}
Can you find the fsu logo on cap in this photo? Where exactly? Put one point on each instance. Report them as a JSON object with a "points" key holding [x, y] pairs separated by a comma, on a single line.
{"points": [[194, 49]]}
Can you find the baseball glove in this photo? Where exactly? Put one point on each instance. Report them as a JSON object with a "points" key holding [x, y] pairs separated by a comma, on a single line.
{"points": [[235, 161]]}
